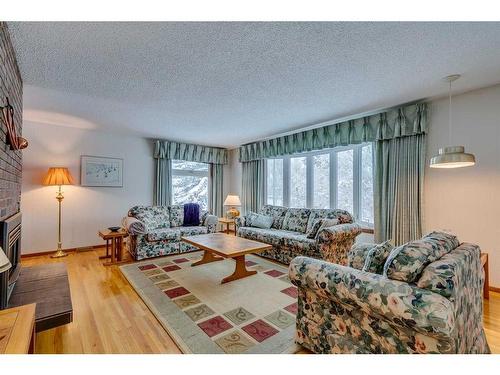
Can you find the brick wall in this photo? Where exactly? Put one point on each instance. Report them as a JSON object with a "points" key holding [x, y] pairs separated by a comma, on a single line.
{"points": [[11, 85]]}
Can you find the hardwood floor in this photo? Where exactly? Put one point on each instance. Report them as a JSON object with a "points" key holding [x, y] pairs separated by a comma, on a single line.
{"points": [[109, 317]]}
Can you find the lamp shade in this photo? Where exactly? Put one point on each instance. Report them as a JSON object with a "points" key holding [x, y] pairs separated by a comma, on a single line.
{"points": [[58, 176], [4, 262], [232, 200], [452, 157]]}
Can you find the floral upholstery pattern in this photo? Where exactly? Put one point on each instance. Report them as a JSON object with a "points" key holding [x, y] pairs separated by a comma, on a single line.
{"points": [[288, 244], [150, 237], [278, 214], [376, 257], [296, 219], [345, 310], [407, 262], [356, 256], [343, 216], [176, 215]]}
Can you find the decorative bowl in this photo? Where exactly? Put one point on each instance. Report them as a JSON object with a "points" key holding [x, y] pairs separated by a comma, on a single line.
{"points": [[114, 229]]}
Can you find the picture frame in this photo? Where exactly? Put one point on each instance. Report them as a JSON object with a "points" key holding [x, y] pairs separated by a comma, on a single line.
{"points": [[100, 171]]}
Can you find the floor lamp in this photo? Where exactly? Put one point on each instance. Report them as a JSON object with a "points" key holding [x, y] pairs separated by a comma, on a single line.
{"points": [[58, 176]]}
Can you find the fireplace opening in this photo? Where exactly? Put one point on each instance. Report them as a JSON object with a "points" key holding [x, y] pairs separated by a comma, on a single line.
{"points": [[10, 241]]}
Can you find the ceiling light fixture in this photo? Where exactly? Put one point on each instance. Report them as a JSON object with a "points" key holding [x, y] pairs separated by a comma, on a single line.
{"points": [[452, 156]]}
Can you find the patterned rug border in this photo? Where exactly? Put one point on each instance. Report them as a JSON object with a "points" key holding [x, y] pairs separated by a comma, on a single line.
{"points": [[148, 292]]}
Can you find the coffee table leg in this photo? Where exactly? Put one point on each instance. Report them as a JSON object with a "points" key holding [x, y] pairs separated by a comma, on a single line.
{"points": [[240, 270], [208, 257]]}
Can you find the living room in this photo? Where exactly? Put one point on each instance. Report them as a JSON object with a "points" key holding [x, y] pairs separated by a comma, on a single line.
{"points": [[249, 187]]}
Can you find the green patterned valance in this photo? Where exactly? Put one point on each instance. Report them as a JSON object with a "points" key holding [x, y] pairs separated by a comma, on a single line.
{"points": [[189, 152], [400, 122]]}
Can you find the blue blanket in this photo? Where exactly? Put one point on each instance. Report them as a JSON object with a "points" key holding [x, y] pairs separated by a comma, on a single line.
{"points": [[191, 215]]}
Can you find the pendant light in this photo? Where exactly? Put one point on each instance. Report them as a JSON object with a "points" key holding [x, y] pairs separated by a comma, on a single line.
{"points": [[452, 156]]}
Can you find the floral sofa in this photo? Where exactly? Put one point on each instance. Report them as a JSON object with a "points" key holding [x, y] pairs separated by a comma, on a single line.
{"points": [[288, 237], [428, 299], [156, 230]]}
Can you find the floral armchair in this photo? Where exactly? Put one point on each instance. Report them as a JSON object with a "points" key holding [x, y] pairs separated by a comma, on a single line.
{"points": [[157, 230], [347, 310], [288, 232]]}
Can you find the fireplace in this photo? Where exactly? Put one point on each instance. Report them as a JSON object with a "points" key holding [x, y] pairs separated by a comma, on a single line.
{"points": [[10, 241]]}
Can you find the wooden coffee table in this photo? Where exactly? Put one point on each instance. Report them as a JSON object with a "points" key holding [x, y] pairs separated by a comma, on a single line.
{"points": [[218, 246]]}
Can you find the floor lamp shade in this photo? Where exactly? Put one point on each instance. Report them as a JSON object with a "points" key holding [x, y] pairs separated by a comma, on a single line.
{"points": [[58, 176]]}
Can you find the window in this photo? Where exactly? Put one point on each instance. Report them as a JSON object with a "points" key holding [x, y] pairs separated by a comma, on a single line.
{"points": [[298, 182], [337, 178], [190, 183], [274, 176], [321, 181]]}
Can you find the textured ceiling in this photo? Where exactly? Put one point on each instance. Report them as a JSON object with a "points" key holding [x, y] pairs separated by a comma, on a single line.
{"points": [[226, 84]]}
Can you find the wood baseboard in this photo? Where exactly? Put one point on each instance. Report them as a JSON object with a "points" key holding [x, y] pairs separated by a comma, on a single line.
{"points": [[494, 289], [72, 249]]}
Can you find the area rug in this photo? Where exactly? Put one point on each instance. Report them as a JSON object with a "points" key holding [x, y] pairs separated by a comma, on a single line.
{"points": [[251, 315]]}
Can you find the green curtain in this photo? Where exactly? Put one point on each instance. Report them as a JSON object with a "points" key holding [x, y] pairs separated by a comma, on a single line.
{"points": [[398, 190], [189, 152], [252, 189], [163, 182], [216, 193], [400, 122]]}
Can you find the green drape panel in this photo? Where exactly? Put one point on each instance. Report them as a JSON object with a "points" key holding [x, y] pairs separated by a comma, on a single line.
{"points": [[190, 152], [163, 182], [252, 189], [398, 190], [394, 123], [216, 193]]}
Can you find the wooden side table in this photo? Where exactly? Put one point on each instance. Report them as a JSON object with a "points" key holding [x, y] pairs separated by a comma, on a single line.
{"points": [[116, 239], [227, 222], [486, 286], [17, 330]]}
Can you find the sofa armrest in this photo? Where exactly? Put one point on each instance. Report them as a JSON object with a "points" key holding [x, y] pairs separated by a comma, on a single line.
{"points": [[239, 222], [133, 225], [211, 222], [336, 241], [389, 300]]}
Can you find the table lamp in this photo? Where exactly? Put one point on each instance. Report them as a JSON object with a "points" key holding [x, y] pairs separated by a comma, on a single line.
{"points": [[58, 176], [4, 262], [232, 201]]}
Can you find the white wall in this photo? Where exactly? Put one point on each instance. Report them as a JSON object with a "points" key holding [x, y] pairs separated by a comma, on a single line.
{"points": [[85, 209], [466, 201]]}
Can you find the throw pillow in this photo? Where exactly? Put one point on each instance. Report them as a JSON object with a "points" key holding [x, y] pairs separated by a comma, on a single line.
{"points": [[376, 257], [356, 257], [325, 223], [313, 230], [262, 221], [249, 218]]}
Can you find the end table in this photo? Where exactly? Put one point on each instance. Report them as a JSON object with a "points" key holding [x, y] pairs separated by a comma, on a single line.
{"points": [[227, 222], [117, 240]]}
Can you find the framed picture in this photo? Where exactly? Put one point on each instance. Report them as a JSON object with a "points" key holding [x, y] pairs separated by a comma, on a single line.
{"points": [[101, 171]]}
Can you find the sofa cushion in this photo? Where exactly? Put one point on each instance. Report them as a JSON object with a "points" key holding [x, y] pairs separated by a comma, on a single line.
{"points": [[442, 276], [319, 213], [153, 217], [376, 257], [277, 212], [406, 262], [176, 215], [193, 231], [269, 236], [356, 257], [165, 234], [296, 219], [261, 221], [298, 242]]}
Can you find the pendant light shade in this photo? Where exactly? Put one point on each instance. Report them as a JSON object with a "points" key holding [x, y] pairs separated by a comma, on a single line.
{"points": [[452, 156]]}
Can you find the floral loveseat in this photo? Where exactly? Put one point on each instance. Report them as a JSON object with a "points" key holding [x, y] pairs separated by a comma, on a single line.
{"points": [[428, 299], [156, 230], [288, 237]]}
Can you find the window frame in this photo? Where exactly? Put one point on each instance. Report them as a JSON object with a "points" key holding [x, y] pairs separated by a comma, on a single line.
{"points": [[357, 174], [192, 173]]}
